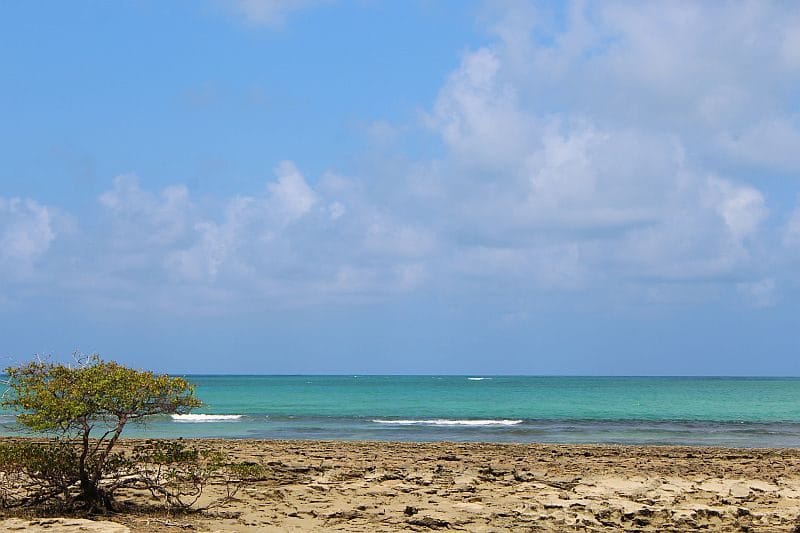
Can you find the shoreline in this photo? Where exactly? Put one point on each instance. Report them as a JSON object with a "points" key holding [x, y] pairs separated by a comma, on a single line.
{"points": [[393, 486], [465, 443]]}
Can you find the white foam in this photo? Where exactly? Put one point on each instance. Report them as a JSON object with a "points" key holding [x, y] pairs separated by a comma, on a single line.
{"points": [[204, 418], [477, 379], [446, 422]]}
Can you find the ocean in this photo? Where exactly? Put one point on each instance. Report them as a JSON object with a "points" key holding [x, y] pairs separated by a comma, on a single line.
{"points": [[739, 412]]}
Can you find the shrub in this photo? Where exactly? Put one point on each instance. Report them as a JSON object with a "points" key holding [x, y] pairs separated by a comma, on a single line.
{"points": [[84, 408]]}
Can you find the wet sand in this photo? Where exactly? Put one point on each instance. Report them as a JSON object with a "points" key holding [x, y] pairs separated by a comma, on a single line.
{"points": [[386, 486]]}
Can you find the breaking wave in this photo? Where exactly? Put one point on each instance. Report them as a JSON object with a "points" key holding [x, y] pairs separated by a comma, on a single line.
{"points": [[205, 418], [446, 422]]}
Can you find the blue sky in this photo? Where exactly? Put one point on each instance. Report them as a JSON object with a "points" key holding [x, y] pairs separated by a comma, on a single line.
{"points": [[302, 186]]}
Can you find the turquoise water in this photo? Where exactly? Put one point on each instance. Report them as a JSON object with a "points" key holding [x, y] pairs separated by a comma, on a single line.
{"points": [[628, 410]]}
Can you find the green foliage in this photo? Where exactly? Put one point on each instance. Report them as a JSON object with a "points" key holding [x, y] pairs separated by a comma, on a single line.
{"points": [[172, 471], [67, 399], [33, 471], [249, 471], [73, 401], [177, 473]]}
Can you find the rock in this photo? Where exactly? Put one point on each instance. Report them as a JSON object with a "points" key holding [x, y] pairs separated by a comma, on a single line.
{"points": [[523, 477], [739, 490], [62, 525], [469, 507], [344, 515], [705, 512], [429, 522], [465, 479], [390, 476], [488, 472]]}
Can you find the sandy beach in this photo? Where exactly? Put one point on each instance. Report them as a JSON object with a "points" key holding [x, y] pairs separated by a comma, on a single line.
{"points": [[389, 486]]}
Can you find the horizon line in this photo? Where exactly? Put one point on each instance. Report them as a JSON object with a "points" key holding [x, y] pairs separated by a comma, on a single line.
{"points": [[485, 375]]}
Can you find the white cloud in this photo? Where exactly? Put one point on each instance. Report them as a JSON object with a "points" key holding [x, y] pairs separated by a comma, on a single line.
{"points": [[617, 201], [621, 145], [595, 136], [292, 194], [741, 207], [296, 243], [477, 115], [26, 232], [657, 66], [160, 219], [202, 261]]}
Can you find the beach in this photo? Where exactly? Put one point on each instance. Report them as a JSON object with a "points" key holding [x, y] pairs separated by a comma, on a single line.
{"points": [[393, 486], [471, 453]]}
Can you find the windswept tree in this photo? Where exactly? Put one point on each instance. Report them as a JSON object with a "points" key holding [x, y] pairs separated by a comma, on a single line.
{"points": [[85, 407]]}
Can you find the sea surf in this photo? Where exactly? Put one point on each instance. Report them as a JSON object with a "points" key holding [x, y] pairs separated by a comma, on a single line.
{"points": [[747, 412]]}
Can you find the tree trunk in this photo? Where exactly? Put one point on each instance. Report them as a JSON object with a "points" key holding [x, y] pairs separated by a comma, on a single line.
{"points": [[95, 498]]}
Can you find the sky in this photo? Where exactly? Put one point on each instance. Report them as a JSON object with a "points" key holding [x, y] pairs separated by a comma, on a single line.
{"points": [[420, 187]]}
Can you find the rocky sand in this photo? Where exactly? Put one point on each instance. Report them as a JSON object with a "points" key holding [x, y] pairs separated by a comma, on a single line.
{"points": [[387, 486]]}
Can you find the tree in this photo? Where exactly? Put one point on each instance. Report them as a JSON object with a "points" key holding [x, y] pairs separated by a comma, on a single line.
{"points": [[86, 407]]}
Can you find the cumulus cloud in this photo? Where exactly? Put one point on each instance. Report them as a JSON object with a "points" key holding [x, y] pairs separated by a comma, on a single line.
{"points": [[293, 243], [741, 207], [201, 261], [616, 144], [568, 199], [157, 219], [292, 194], [477, 115], [26, 233], [657, 66]]}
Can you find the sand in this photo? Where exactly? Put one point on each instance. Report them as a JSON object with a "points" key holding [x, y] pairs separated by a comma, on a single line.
{"points": [[384, 486]]}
